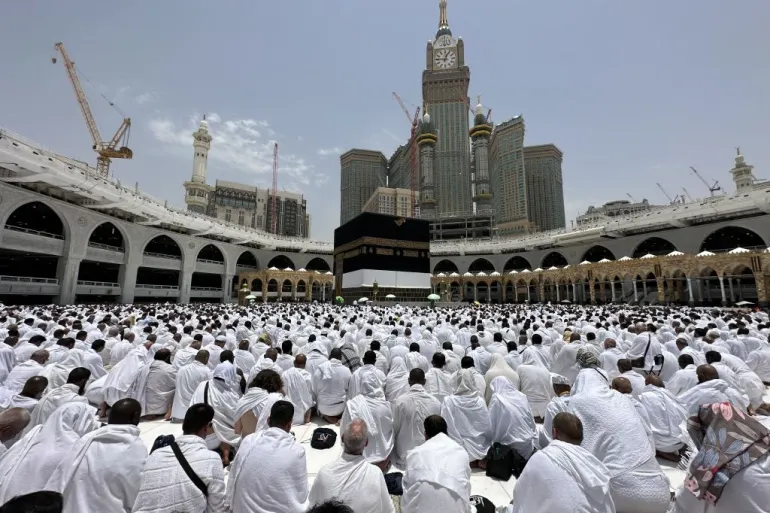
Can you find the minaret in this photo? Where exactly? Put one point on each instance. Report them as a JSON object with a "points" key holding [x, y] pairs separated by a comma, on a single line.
{"points": [[196, 190], [426, 140], [742, 173], [480, 134]]}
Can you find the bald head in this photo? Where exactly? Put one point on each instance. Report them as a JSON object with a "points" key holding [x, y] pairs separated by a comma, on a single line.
{"points": [[243, 345], [355, 438], [568, 428], [706, 373], [300, 361], [654, 380], [34, 387], [12, 422], [126, 412], [202, 356], [622, 385], [610, 343], [40, 356], [272, 354]]}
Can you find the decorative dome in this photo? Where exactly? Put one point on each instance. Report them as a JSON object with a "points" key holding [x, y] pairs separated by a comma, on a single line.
{"points": [[624, 259], [481, 273], [738, 250], [675, 253], [537, 270], [426, 118], [604, 260], [647, 256], [453, 275], [441, 275], [705, 254], [495, 274], [585, 262]]}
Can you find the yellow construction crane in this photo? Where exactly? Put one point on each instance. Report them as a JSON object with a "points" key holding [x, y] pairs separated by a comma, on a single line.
{"points": [[115, 148]]}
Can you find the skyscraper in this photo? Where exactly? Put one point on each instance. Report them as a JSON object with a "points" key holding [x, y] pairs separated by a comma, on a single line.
{"points": [[545, 190], [445, 84], [361, 172], [507, 177]]}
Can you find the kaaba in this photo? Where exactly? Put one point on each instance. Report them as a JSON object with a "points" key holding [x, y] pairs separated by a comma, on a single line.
{"points": [[377, 254]]}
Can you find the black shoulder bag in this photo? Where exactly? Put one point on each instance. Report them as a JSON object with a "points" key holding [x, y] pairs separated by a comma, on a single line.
{"points": [[639, 362], [206, 392], [197, 481]]}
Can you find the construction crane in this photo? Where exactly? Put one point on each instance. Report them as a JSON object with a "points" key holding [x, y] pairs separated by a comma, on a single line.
{"points": [[464, 99], [274, 201], [115, 148], [677, 199], [686, 195], [631, 197], [414, 170], [712, 188]]}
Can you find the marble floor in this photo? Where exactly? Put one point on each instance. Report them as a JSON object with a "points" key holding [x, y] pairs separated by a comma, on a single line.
{"points": [[499, 492]]}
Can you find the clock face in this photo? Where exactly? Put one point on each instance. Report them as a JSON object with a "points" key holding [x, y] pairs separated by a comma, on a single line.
{"points": [[445, 58], [443, 42]]}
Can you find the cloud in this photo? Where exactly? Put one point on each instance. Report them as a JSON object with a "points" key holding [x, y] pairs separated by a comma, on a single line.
{"points": [[145, 98], [327, 152], [239, 144]]}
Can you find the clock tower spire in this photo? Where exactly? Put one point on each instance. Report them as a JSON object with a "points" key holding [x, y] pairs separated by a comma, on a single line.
{"points": [[442, 20]]}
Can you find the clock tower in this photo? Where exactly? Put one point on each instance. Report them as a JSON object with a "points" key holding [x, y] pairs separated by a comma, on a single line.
{"points": [[445, 84]]}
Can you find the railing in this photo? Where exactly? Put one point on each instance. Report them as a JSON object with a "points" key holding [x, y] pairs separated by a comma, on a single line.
{"points": [[207, 289], [160, 287], [99, 284], [34, 232], [205, 261], [107, 247], [161, 255], [28, 279]]}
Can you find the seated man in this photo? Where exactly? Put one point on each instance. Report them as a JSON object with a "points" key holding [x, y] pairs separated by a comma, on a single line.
{"points": [[351, 478], [563, 477], [331, 381], [666, 415], [438, 474]]}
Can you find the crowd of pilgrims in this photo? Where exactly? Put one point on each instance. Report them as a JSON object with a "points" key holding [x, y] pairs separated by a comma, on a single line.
{"points": [[585, 401]]}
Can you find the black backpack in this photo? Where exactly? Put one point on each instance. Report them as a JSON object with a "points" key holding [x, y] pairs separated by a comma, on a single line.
{"points": [[162, 441], [482, 504], [500, 460], [323, 438]]}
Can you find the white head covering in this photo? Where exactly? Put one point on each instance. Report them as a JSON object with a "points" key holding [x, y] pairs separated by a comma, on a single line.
{"points": [[466, 384]]}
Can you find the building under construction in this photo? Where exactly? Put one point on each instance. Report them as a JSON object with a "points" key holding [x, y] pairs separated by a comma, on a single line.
{"points": [[243, 204]]}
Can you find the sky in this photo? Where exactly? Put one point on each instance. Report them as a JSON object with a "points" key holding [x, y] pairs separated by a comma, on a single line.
{"points": [[633, 92]]}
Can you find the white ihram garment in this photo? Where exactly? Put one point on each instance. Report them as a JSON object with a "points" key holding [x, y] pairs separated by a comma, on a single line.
{"points": [[166, 488], [409, 414], [276, 454], [397, 380], [257, 401], [331, 381], [710, 392], [19, 375], [122, 376], [511, 417], [666, 415], [57, 373], [563, 478], [26, 467], [48, 404], [467, 417], [437, 478], [614, 433], [535, 383], [298, 386], [439, 383], [371, 407], [187, 380], [155, 388], [496, 369], [354, 481], [223, 397], [102, 471]]}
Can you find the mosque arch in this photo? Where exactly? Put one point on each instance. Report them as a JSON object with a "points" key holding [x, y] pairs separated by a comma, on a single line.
{"points": [[731, 237], [553, 259], [517, 263], [256, 285], [286, 287], [481, 265], [596, 253], [653, 246], [317, 264], [163, 245], [211, 253], [37, 217], [247, 259], [445, 266], [281, 262], [107, 234]]}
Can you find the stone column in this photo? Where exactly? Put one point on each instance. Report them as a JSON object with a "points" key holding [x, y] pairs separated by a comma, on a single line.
{"points": [[227, 286], [185, 282], [722, 289], [67, 274], [636, 292], [689, 289], [574, 293], [592, 291], [612, 290], [541, 292], [732, 292], [127, 280], [660, 282], [558, 296], [529, 295]]}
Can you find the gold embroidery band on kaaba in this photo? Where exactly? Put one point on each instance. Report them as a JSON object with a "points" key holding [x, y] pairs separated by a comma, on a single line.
{"points": [[386, 243]]}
